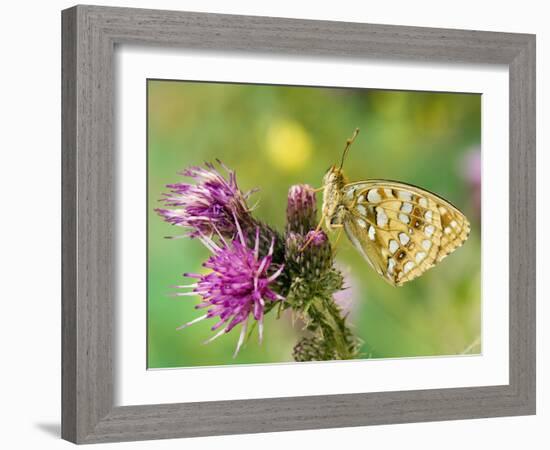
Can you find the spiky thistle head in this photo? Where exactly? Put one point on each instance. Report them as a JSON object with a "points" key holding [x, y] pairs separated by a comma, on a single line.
{"points": [[211, 202], [238, 286]]}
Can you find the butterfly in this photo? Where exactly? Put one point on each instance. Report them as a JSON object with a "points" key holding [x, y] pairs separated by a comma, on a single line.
{"points": [[400, 229]]}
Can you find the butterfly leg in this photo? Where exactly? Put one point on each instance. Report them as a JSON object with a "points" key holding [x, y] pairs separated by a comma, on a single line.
{"points": [[312, 234]]}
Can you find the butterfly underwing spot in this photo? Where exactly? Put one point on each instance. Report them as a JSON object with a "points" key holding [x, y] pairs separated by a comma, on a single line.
{"points": [[404, 195], [391, 265], [408, 267], [372, 233], [404, 218], [407, 207], [373, 196], [429, 230], [381, 217], [403, 238], [420, 256]]}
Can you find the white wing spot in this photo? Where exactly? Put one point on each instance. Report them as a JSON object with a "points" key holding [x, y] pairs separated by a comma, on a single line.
{"points": [[391, 265], [428, 215], [429, 230], [423, 202], [404, 195], [426, 244], [373, 196], [362, 223], [381, 218], [362, 210], [404, 239], [454, 224], [350, 192], [404, 218], [408, 267], [361, 199], [420, 256], [388, 193], [372, 233], [407, 208], [447, 230], [393, 245]]}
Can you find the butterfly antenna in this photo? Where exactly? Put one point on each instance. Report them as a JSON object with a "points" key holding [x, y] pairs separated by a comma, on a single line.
{"points": [[348, 145]]}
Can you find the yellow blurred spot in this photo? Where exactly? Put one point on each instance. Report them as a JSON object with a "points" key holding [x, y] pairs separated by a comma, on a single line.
{"points": [[288, 145], [390, 105]]}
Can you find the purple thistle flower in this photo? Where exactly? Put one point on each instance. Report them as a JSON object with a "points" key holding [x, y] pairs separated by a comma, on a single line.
{"points": [[208, 205], [239, 284]]}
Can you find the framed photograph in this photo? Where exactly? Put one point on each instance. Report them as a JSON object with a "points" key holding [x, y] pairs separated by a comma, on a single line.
{"points": [[277, 224]]}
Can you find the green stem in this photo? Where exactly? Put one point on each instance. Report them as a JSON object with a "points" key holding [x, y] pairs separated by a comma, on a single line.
{"points": [[326, 316]]}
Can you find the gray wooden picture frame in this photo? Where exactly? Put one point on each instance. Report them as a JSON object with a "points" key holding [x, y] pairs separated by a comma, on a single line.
{"points": [[90, 34]]}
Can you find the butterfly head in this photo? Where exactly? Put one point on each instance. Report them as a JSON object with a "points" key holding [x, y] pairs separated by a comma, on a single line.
{"points": [[334, 182], [334, 176]]}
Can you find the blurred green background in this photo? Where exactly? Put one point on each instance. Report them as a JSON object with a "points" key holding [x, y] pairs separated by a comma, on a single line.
{"points": [[276, 136]]}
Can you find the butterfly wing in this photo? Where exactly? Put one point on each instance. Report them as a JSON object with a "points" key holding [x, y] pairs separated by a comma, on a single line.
{"points": [[400, 229]]}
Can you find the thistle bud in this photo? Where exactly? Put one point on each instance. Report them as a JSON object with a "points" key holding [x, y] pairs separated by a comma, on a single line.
{"points": [[313, 349], [301, 211], [318, 251], [308, 256]]}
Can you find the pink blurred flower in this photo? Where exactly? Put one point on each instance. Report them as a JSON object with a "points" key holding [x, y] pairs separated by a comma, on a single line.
{"points": [[346, 298], [471, 172]]}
